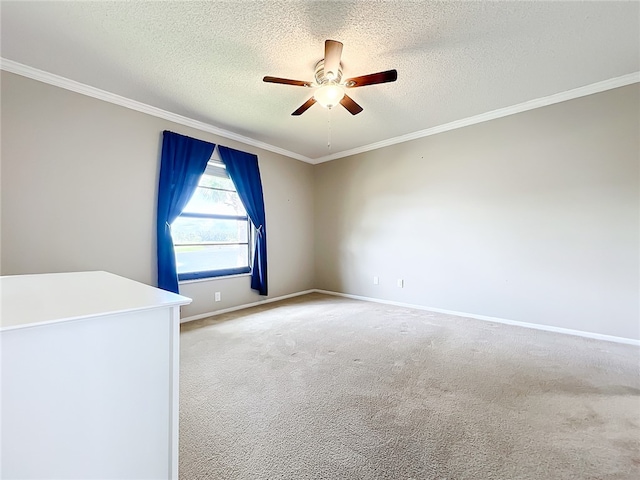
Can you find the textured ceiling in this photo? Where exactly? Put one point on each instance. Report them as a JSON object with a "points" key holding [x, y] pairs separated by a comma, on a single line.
{"points": [[206, 60]]}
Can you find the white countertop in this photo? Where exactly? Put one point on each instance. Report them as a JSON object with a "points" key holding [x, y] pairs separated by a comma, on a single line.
{"points": [[28, 300]]}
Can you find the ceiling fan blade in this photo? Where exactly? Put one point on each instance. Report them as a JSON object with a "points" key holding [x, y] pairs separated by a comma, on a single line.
{"points": [[304, 107], [286, 81], [372, 79], [348, 103], [332, 54]]}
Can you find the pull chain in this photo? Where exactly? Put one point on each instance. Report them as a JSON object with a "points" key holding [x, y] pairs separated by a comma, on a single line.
{"points": [[329, 128]]}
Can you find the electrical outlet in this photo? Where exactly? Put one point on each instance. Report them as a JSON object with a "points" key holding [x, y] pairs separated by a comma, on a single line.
{"points": [[376, 280], [217, 296], [400, 283]]}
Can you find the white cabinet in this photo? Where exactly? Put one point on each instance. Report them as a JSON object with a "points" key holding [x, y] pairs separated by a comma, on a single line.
{"points": [[89, 378]]}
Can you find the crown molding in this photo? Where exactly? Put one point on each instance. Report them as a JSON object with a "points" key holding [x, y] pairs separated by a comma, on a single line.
{"points": [[62, 82], [72, 85], [492, 115]]}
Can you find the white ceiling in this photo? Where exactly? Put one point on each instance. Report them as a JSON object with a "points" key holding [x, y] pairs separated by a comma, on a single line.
{"points": [[206, 60]]}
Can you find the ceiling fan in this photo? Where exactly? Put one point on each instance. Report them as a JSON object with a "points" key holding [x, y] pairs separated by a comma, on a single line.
{"points": [[330, 89]]}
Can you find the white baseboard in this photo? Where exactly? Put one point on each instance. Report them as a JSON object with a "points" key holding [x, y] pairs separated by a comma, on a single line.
{"points": [[241, 307], [535, 326]]}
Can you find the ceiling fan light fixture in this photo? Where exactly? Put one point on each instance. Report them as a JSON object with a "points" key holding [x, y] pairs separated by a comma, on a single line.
{"points": [[329, 95], [328, 85]]}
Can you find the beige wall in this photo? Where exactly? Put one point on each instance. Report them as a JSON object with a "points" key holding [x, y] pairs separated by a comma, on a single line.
{"points": [[533, 217], [79, 185]]}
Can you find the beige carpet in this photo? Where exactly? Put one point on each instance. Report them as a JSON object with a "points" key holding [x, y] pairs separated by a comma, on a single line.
{"points": [[321, 387]]}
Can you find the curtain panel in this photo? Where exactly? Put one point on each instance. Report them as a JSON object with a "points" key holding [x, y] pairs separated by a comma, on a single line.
{"points": [[243, 170], [183, 161]]}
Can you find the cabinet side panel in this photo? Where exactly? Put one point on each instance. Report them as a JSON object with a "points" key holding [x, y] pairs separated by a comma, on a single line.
{"points": [[174, 404], [88, 398]]}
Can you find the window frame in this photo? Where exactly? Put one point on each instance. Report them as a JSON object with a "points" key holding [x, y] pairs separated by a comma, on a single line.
{"points": [[215, 167]]}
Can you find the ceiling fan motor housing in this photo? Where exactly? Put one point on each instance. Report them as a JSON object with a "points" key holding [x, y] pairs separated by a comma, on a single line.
{"points": [[321, 77]]}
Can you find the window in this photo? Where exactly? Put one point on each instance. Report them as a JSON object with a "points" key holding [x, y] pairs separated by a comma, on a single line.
{"points": [[212, 235]]}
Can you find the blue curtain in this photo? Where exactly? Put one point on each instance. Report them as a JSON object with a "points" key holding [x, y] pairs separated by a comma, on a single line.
{"points": [[244, 172], [184, 160]]}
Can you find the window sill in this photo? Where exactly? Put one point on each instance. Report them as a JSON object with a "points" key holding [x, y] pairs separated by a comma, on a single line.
{"points": [[213, 279]]}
